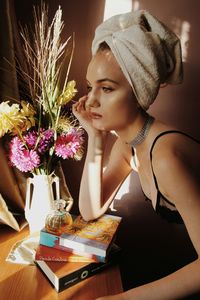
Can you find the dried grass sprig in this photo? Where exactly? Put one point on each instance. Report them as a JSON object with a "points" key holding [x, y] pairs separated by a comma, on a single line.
{"points": [[45, 54]]}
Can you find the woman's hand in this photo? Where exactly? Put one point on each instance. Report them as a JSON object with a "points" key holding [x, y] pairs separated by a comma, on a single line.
{"points": [[81, 112]]}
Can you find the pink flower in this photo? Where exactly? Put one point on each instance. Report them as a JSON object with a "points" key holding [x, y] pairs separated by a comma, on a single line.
{"points": [[68, 144], [45, 139], [31, 138], [25, 160]]}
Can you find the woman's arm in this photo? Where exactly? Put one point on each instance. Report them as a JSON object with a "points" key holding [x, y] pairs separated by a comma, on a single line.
{"points": [[100, 184], [106, 166]]}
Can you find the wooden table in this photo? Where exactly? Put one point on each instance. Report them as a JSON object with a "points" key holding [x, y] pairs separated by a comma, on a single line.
{"points": [[26, 282]]}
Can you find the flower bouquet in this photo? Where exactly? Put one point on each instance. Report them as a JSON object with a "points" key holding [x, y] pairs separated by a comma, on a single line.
{"points": [[41, 132], [40, 129]]}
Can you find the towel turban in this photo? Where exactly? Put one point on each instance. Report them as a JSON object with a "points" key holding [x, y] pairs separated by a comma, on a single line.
{"points": [[147, 51]]}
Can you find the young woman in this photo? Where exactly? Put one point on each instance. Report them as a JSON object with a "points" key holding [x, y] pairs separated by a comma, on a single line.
{"points": [[133, 56]]}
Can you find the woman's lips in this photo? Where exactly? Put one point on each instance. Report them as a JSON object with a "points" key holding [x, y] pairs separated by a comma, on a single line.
{"points": [[95, 115]]}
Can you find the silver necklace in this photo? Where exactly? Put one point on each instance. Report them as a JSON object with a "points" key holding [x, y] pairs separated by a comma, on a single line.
{"points": [[142, 134]]}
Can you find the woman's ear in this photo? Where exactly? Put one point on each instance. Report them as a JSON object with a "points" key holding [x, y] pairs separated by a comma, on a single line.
{"points": [[163, 85]]}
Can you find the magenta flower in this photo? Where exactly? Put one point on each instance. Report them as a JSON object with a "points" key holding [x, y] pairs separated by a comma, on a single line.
{"points": [[68, 144], [33, 149], [31, 138], [46, 140], [25, 160], [16, 145]]}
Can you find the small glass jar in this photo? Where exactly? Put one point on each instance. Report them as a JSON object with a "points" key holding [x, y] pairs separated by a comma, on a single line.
{"points": [[58, 219]]}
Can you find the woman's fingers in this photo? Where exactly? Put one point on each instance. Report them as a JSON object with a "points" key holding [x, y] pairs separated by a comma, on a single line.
{"points": [[79, 106]]}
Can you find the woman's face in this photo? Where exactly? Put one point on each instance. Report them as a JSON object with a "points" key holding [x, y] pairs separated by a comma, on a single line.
{"points": [[111, 102]]}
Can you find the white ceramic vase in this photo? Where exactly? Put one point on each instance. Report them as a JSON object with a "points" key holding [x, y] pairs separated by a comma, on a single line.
{"points": [[41, 192]]}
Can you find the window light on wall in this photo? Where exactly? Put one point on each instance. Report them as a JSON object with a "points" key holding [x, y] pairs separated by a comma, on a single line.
{"points": [[115, 7]]}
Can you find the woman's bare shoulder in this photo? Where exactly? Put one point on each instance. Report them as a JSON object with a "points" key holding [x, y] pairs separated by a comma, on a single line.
{"points": [[176, 146], [176, 162], [177, 168]]}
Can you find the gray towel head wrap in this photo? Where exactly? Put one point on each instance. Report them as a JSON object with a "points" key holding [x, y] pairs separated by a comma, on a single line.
{"points": [[147, 51]]}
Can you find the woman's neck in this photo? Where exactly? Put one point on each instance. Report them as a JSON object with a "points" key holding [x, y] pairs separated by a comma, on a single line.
{"points": [[130, 132]]}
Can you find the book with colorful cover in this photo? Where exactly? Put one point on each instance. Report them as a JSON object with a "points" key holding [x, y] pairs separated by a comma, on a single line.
{"points": [[62, 275], [53, 254], [52, 241], [90, 237]]}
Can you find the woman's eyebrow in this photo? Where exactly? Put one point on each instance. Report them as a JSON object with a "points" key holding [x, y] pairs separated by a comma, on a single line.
{"points": [[105, 79]]}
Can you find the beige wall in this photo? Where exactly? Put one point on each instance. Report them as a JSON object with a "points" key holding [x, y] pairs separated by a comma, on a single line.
{"points": [[180, 105]]}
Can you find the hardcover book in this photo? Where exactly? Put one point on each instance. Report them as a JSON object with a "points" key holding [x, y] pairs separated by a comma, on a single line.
{"points": [[53, 254], [92, 237], [62, 275]]}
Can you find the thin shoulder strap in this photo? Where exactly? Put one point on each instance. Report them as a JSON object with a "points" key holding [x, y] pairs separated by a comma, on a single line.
{"points": [[154, 142]]}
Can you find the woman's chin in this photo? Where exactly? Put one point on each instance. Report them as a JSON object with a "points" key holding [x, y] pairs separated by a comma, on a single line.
{"points": [[98, 126]]}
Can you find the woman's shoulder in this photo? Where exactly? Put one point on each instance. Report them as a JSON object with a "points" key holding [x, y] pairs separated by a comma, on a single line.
{"points": [[174, 148], [174, 140], [170, 139]]}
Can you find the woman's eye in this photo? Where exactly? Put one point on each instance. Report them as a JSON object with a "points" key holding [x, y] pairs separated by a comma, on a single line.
{"points": [[89, 88], [107, 89]]}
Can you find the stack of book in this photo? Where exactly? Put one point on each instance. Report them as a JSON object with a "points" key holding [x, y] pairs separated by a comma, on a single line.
{"points": [[81, 251]]}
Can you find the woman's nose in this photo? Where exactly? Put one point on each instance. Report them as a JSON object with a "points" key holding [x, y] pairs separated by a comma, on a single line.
{"points": [[92, 100]]}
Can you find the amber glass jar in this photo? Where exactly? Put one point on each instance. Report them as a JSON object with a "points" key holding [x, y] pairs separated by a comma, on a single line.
{"points": [[57, 220]]}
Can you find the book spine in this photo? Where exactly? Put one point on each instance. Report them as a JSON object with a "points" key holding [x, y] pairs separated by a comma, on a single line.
{"points": [[81, 274], [83, 245], [53, 241], [72, 258]]}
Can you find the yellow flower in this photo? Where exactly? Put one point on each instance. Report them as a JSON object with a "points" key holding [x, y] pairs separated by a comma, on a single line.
{"points": [[10, 117], [64, 124], [68, 94], [27, 113]]}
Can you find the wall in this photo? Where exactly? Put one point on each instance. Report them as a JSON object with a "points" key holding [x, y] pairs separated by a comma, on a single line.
{"points": [[180, 105], [151, 246]]}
